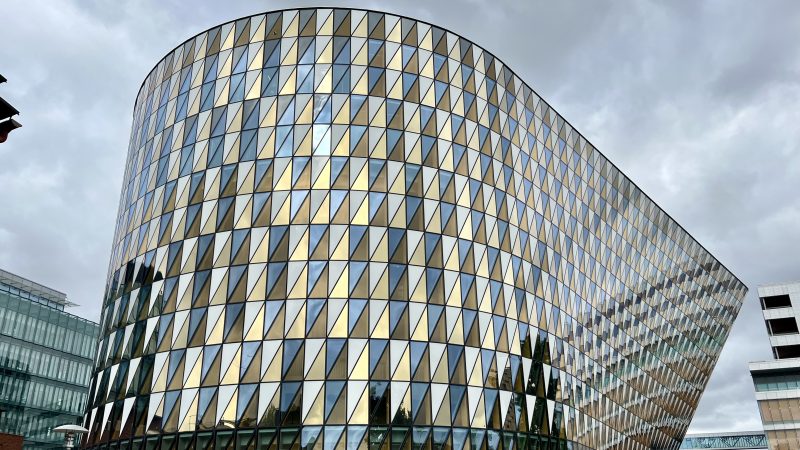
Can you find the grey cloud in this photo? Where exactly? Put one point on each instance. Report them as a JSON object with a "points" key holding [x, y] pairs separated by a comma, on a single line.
{"points": [[696, 102]]}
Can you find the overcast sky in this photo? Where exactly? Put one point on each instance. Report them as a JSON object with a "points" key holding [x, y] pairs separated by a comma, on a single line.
{"points": [[697, 102]]}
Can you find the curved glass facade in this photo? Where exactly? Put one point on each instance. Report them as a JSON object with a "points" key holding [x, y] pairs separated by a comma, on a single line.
{"points": [[344, 229], [743, 440]]}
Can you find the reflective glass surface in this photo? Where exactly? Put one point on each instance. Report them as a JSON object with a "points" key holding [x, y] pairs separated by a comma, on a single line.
{"points": [[779, 382], [731, 441], [342, 229], [46, 359]]}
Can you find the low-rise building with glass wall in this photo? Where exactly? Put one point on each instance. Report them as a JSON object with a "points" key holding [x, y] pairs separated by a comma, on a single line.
{"points": [[46, 356], [344, 229], [738, 440]]}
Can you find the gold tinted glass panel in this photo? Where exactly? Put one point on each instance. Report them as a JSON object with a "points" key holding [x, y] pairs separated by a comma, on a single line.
{"points": [[348, 229]]}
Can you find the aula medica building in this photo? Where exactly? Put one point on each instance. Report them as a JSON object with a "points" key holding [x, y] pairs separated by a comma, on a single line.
{"points": [[348, 230]]}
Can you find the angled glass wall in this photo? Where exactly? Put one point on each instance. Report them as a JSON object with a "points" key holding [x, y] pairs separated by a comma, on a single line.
{"points": [[343, 229]]}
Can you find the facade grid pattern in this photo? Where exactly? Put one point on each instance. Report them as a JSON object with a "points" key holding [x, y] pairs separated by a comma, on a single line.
{"points": [[46, 361], [348, 229]]}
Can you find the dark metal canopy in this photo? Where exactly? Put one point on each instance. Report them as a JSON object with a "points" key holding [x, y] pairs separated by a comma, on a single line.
{"points": [[6, 110]]}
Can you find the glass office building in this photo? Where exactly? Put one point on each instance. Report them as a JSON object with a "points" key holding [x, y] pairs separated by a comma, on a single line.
{"points": [[344, 229], [46, 360]]}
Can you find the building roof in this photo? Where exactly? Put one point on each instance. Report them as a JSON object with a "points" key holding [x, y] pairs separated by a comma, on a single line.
{"points": [[669, 218], [35, 288]]}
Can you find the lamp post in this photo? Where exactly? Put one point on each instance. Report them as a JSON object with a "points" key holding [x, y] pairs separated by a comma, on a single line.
{"points": [[70, 432]]}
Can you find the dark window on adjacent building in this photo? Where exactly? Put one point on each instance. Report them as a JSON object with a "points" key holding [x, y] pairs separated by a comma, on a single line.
{"points": [[787, 351], [782, 326], [779, 382], [775, 301]]}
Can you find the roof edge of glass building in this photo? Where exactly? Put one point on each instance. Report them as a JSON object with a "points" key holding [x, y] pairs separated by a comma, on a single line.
{"points": [[501, 61], [38, 293]]}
